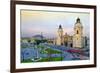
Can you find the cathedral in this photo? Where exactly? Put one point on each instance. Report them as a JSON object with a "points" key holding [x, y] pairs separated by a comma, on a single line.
{"points": [[77, 40]]}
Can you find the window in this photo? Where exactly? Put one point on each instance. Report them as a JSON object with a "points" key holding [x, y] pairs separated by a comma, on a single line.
{"points": [[77, 32]]}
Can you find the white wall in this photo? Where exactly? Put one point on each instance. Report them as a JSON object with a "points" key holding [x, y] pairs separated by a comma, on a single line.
{"points": [[5, 36]]}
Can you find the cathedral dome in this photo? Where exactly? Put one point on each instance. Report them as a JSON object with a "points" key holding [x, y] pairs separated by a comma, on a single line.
{"points": [[78, 20], [60, 27], [78, 23]]}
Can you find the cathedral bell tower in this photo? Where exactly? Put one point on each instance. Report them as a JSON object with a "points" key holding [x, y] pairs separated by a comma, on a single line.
{"points": [[60, 35], [78, 34]]}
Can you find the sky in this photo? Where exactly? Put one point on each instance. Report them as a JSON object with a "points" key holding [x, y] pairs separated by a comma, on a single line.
{"points": [[47, 22]]}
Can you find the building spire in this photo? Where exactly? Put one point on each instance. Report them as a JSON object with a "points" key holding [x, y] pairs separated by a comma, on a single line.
{"points": [[60, 27], [78, 20]]}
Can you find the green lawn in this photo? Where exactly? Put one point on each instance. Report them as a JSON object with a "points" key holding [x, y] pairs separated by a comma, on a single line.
{"points": [[43, 60], [51, 51], [50, 59], [46, 50], [27, 61], [40, 46]]}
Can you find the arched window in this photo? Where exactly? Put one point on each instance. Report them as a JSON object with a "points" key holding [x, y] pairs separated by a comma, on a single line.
{"points": [[77, 32]]}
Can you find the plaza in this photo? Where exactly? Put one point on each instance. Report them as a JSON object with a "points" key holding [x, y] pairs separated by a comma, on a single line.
{"points": [[45, 52]]}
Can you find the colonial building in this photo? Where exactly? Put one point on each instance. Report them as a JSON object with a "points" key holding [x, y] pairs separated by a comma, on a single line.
{"points": [[76, 41], [78, 34], [60, 36]]}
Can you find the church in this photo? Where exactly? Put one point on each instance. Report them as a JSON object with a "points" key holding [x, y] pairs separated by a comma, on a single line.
{"points": [[77, 40]]}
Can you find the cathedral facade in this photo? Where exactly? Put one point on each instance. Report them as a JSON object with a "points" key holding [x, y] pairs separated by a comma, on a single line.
{"points": [[77, 40]]}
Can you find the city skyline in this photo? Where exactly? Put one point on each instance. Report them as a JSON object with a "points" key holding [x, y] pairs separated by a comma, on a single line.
{"points": [[47, 23]]}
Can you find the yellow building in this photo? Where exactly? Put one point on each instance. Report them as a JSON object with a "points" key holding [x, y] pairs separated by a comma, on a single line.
{"points": [[60, 35], [76, 41], [78, 34], [68, 40]]}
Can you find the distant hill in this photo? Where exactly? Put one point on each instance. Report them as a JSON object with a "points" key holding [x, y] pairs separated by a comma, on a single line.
{"points": [[38, 37]]}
